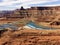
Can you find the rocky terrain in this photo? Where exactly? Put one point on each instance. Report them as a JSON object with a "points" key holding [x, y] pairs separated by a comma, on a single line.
{"points": [[37, 14], [30, 37], [45, 16]]}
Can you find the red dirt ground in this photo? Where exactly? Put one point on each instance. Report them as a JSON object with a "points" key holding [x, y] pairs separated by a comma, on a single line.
{"points": [[30, 37]]}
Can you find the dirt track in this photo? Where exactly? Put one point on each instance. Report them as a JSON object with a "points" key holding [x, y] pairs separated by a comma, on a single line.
{"points": [[30, 37]]}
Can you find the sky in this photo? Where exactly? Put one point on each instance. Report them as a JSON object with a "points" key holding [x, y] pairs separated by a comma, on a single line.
{"points": [[16, 4]]}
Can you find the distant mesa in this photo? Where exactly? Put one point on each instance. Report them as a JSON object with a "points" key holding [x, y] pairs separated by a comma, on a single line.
{"points": [[40, 14]]}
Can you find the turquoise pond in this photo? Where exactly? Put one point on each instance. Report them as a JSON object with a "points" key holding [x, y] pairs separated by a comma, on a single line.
{"points": [[4, 26], [30, 24], [33, 25]]}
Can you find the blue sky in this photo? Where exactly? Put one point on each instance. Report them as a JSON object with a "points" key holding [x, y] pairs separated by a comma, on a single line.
{"points": [[14, 4]]}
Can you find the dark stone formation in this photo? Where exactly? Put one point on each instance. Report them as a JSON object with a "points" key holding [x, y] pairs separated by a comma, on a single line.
{"points": [[55, 23]]}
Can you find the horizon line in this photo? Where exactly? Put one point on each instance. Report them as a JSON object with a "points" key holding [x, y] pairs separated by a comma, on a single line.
{"points": [[30, 7]]}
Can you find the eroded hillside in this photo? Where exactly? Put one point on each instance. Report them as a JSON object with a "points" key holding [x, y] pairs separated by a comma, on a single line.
{"points": [[30, 37]]}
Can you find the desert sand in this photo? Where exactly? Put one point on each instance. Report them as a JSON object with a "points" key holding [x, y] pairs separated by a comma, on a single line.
{"points": [[30, 37]]}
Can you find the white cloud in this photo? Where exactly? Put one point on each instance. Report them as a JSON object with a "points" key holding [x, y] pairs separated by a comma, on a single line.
{"points": [[25, 3]]}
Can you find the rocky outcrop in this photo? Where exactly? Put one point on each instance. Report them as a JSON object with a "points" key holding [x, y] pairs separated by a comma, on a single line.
{"points": [[35, 13], [55, 23], [30, 37]]}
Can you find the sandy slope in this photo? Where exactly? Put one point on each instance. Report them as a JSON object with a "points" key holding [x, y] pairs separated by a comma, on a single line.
{"points": [[30, 37]]}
